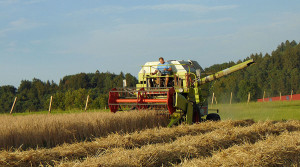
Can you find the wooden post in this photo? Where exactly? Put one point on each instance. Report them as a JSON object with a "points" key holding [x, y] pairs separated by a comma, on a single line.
{"points": [[280, 96], [212, 99], [292, 95], [230, 97], [50, 104], [248, 98], [264, 96], [87, 101], [12, 107], [124, 83]]}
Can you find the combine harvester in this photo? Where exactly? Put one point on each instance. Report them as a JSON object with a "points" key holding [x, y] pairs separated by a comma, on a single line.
{"points": [[184, 97]]}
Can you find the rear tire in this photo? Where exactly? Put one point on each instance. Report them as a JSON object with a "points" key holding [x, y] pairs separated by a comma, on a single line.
{"points": [[213, 117]]}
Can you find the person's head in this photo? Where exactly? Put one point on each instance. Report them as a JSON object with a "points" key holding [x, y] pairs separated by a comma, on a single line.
{"points": [[161, 60]]}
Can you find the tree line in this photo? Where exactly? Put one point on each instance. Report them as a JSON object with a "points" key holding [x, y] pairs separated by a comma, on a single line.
{"points": [[275, 73], [70, 93]]}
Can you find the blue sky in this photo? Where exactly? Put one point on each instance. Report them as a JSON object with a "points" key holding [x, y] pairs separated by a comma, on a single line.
{"points": [[48, 39]]}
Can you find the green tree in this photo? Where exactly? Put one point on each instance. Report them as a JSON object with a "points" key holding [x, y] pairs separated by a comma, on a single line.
{"points": [[80, 98], [7, 95]]}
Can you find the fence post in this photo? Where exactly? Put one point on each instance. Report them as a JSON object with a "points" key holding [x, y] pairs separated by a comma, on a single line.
{"points": [[264, 96], [280, 96], [50, 105], [230, 97], [248, 98], [87, 101], [216, 100], [124, 83], [212, 99], [292, 95], [12, 107]]}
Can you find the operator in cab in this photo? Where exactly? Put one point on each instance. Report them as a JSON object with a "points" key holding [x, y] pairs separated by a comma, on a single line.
{"points": [[165, 70]]}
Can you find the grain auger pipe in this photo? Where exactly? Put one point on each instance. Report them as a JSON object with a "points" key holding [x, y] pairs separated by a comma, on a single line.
{"points": [[225, 72], [184, 97]]}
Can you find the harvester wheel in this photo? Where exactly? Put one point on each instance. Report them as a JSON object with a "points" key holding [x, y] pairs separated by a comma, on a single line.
{"points": [[213, 117]]}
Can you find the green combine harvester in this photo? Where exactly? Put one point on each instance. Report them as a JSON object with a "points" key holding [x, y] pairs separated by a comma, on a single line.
{"points": [[183, 98]]}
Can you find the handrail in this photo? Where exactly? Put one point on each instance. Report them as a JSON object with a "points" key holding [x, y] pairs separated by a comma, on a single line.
{"points": [[170, 65]]}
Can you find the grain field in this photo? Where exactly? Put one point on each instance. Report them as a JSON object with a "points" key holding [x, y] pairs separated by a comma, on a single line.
{"points": [[224, 143]]}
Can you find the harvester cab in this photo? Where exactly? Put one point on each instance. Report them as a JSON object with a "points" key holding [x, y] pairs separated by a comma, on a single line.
{"points": [[181, 71], [184, 97]]}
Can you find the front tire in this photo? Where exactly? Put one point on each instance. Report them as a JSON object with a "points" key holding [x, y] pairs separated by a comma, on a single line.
{"points": [[213, 117]]}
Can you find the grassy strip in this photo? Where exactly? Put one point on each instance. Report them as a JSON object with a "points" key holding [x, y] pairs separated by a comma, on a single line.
{"points": [[100, 145], [276, 110], [33, 131], [283, 150], [187, 147]]}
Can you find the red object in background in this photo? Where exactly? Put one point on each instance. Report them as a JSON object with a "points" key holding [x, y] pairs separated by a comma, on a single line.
{"points": [[283, 98]]}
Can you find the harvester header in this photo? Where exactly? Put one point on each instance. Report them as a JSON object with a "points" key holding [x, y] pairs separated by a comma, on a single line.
{"points": [[183, 96]]}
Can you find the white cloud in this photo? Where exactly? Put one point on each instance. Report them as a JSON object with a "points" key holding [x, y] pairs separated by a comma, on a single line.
{"points": [[192, 8], [180, 24], [9, 2], [127, 36], [19, 25], [185, 8], [33, 1], [102, 10]]}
